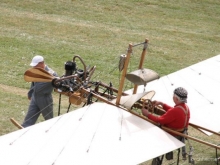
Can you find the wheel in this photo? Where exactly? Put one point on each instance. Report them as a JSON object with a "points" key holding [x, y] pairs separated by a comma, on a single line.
{"points": [[156, 161]]}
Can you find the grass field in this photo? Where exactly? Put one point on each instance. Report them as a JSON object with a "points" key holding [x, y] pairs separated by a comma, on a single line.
{"points": [[180, 33]]}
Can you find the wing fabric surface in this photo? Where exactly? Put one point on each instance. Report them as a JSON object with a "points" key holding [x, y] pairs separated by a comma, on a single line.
{"points": [[95, 134], [202, 81], [128, 101]]}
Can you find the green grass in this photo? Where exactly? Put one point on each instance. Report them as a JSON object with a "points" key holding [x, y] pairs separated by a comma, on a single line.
{"points": [[180, 33]]}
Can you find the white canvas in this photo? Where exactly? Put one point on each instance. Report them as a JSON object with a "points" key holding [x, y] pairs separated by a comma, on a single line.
{"points": [[202, 81], [95, 134]]}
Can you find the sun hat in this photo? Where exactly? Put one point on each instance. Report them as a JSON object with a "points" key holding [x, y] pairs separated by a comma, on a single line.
{"points": [[36, 60]]}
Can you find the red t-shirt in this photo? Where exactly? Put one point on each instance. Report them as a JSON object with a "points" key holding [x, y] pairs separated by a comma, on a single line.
{"points": [[174, 118]]}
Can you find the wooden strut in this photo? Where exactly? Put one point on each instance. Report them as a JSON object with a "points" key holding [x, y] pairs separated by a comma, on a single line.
{"points": [[203, 128], [141, 62], [16, 123], [123, 74]]}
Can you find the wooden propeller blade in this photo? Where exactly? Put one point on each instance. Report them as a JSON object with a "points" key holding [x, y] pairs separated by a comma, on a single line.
{"points": [[16, 123], [37, 75]]}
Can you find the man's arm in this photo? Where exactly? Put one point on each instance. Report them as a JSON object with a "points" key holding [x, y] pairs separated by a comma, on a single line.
{"points": [[164, 119]]}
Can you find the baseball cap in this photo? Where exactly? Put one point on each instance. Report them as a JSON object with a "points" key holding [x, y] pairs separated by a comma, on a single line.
{"points": [[36, 60]]}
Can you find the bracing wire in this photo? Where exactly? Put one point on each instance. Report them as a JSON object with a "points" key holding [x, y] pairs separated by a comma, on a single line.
{"points": [[40, 112]]}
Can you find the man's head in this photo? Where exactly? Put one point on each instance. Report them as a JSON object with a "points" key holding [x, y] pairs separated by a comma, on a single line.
{"points": [[37, 61], [180, 94]]}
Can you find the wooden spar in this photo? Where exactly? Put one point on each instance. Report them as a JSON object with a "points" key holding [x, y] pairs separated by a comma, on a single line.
{"points": [[141, 62], [203, 128], [162, 127], [178, 133], [190, 137], [124, 74]]}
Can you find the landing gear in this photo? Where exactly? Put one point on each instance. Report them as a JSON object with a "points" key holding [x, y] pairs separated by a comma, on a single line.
{"points": [[157, 161]]}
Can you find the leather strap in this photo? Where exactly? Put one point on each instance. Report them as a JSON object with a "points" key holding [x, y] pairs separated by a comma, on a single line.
{"points": [[186, 111]]}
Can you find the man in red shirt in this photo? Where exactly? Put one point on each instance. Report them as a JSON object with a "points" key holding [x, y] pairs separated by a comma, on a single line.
{"points": [[175, 118]]}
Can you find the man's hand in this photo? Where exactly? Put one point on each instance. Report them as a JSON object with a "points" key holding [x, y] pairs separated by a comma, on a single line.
{"points": [[156, 103], [145, 112]]}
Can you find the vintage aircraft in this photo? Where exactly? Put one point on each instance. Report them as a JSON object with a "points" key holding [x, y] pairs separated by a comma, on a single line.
{"points": [[108, 129]]}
